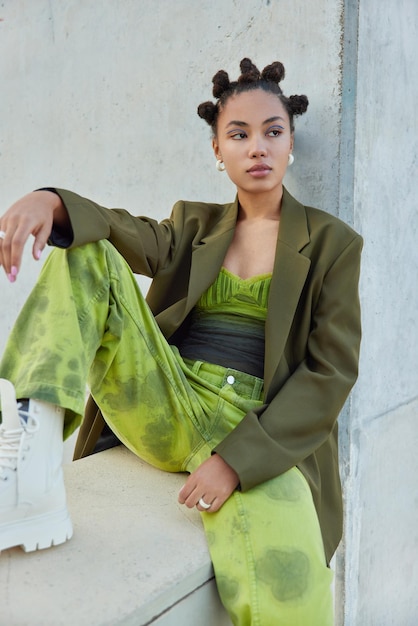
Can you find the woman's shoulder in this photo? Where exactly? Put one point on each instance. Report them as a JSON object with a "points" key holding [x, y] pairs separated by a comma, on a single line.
{"points": [[205, 214], [306, 223], [320, 220]]}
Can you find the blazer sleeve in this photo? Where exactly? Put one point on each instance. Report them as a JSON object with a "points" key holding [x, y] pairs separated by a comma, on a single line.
{"points": [[302, 413], [147, 245]]}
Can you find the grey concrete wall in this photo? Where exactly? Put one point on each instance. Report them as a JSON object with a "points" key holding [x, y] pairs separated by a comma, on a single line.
{"points": [[101, 98], [382, 486]]}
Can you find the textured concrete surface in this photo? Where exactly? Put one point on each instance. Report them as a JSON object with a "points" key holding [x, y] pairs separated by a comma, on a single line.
{"points": [[388, 544], [136, 557], [380, 438]]}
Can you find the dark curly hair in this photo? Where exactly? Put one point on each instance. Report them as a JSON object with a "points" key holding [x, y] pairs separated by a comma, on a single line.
{"points": [[250, 79]]}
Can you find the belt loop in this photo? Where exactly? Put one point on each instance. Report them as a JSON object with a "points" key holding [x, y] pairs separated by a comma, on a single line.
{"points": [[254, 394], [196, 367], [258, 389]]}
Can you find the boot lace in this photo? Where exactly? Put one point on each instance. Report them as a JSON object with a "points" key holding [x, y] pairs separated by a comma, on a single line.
{"points": [[15, 443]]}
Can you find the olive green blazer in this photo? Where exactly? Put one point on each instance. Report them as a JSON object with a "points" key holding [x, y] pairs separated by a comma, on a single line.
{"points": [[312, 329]]}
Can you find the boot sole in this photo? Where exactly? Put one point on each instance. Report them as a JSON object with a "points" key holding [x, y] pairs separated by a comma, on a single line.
{"points": [[38, 533]]}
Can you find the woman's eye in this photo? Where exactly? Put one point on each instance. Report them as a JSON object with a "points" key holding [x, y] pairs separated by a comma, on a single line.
{"points": [[274, 132], [238, 136]]}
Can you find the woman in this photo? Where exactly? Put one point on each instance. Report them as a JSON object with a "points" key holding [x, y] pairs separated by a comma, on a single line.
{"points": [[235, 373]]}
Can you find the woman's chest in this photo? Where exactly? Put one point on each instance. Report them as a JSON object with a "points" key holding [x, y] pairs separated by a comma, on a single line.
{"points": [[253, 249]]}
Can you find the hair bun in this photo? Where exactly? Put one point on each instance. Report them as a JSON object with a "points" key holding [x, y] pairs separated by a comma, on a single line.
{"points": [[274, 72], [249, 72], [221, 83], [207, 111], [298, 104]]}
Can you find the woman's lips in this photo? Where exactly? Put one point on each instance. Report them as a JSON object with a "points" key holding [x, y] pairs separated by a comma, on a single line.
{"points": [[259, 170]]}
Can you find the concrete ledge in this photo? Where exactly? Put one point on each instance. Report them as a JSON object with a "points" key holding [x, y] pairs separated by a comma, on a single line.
{"points": [[137, 557]]}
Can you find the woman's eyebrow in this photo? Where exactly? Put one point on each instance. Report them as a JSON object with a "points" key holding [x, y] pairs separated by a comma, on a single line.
{"points": [[274, 119], [236, 123], [267, 121]]}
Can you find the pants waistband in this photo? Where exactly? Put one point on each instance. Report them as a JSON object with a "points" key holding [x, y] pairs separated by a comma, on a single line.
{"points": [[243, 384]]}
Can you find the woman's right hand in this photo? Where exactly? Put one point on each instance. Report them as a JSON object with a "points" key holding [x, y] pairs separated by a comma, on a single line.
{"points": [[34, 214]]}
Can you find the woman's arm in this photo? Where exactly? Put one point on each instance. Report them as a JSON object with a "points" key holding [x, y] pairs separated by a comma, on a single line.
{"points": [[145, 243], [65, 219]]}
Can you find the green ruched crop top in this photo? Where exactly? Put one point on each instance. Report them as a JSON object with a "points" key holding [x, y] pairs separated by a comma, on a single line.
{"points": [[227, 323]]}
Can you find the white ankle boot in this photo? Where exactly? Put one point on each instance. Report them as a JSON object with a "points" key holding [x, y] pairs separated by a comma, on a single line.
{"points": [[33, 510]]}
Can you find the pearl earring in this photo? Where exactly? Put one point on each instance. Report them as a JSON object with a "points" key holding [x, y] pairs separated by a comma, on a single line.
{"points": [[290, 159], [220, 165]]}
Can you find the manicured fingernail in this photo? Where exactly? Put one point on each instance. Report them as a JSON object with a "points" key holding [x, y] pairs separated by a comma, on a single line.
{"points": [[11, 278], [38, 254], [13, 271]]}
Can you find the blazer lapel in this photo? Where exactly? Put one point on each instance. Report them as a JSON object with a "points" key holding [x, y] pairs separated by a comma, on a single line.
{"points": [[209, 254], [289, 275]]}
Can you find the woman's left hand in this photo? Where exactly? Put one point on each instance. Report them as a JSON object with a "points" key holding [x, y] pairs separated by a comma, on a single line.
{"points": [[213, 482]]}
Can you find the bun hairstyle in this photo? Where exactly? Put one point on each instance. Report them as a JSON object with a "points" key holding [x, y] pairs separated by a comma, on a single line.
{"points": [[250, 79]]}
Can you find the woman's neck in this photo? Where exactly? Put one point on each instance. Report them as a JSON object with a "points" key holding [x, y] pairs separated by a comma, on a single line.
{"points": [[260, 206]]}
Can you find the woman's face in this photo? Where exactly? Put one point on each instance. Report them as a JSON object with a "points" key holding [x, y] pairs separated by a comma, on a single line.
{"points": [[254, 141]]}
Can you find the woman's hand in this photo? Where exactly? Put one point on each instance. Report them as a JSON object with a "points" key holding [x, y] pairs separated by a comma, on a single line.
{"points": [[34, 214], [213, 481]]}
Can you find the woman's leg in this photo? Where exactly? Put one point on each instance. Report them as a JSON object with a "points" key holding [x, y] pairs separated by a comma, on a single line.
{"points": [[85, 319], [265, 544], [59, 330], [268, 556]]}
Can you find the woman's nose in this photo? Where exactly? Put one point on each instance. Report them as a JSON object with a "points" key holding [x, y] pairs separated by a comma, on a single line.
{"points": [[257, 148]]}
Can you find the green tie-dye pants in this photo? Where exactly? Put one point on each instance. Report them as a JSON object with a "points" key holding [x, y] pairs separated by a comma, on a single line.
{"points": [[86, 321]]}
